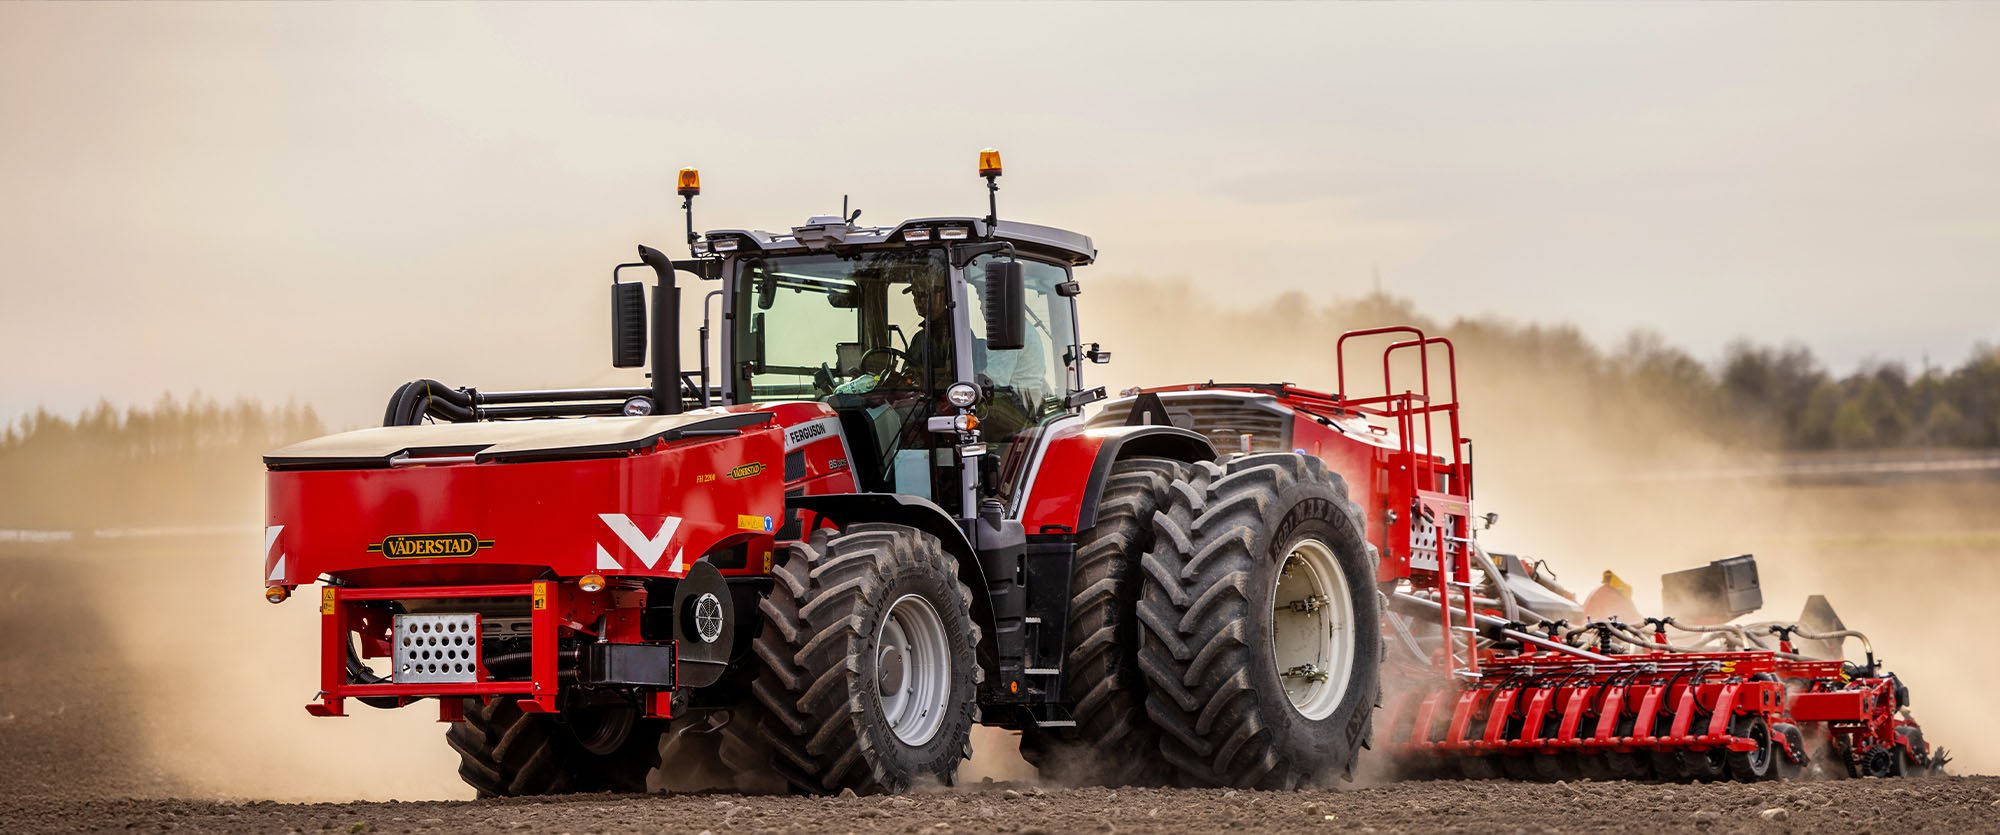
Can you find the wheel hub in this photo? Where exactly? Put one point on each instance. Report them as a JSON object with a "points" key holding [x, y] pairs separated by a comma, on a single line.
{"points": [[1312, 629], [912, 669]]}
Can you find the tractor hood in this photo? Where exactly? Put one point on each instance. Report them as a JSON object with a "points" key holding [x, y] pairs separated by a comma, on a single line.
{"points": [[522, 440]]}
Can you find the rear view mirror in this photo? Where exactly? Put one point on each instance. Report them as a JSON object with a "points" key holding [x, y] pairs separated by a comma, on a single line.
{"points": [[628, 325], [1006, 306], [767, 291]]}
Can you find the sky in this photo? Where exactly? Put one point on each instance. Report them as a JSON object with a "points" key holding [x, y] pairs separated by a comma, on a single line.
{"points": [[321, 201]]}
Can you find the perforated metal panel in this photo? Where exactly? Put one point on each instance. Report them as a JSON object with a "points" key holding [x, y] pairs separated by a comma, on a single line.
{"points": [[436, 648], [1423, 544]]}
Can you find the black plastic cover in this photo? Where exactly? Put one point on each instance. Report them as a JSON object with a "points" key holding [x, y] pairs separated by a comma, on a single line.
{"points": [[638, 665], [1715, 593]]}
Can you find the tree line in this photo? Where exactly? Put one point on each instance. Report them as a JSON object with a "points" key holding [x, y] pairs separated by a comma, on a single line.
{"points": [[173, 462], [1779, 397]]}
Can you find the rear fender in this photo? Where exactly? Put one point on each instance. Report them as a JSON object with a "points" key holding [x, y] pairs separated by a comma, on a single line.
{"points": [[1073, 472]]}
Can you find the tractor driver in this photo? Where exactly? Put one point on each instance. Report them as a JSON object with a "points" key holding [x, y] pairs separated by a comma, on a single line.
{"points": [[931, 346]]}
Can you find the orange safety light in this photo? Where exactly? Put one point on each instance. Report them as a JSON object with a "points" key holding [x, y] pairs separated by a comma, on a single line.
{"points": [[690, 181], [989, 162]]}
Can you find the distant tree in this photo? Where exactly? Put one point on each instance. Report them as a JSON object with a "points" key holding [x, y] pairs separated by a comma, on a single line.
{"points": [[1945, 425]]}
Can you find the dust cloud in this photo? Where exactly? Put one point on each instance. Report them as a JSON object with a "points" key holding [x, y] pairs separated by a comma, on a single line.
{"points": [[1592, 479], [157, 663]]}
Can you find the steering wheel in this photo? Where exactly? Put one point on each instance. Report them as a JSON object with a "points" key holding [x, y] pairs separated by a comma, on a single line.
{"points": [[823, 382], [870, 372], [896, 360]]}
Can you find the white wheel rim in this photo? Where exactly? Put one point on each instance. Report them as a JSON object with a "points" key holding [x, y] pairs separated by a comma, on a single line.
{"points": [[1312, 629], [912, 669]]}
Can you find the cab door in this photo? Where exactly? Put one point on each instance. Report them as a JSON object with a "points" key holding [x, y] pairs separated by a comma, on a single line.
{"points": [[1026, 389]]}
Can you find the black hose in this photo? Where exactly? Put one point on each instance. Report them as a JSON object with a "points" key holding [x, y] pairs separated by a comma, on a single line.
{"points": [[417, 398]]}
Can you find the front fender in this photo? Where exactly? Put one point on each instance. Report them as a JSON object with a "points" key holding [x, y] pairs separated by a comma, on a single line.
{"points": [[910, 511]]}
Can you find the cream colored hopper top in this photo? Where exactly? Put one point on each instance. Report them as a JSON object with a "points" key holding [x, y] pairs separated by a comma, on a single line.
{"points": [[513, 439]]}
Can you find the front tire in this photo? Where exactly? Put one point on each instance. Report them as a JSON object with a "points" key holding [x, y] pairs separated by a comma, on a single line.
{"points": [[1260, 636], [866, 668], [504, 751]]}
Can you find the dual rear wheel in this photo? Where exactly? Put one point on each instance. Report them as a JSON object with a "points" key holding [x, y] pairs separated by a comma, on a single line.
{"points": [[1258, 636]]}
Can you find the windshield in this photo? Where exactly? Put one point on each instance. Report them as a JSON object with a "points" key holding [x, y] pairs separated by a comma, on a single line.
{"points": [[826, 324]]}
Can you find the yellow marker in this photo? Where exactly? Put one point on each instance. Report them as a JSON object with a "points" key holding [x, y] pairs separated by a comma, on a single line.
{"points": [[541, 594], [327, 596], [767, 562], [753, 523]]}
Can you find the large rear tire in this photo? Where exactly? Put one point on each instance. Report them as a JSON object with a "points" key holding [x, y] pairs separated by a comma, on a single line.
{"points": [[506, 752], [1113, 743], [1260, 627], [866, 667]]}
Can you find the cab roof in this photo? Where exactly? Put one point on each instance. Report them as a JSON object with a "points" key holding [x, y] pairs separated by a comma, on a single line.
{"points": [[824, 232]]}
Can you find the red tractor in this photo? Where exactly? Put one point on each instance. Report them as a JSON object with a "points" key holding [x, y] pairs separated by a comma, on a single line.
{"points": [[881, 517]]}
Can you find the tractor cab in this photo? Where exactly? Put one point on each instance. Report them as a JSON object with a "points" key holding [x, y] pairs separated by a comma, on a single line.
{"points": [[917, 336], [946, 346]]}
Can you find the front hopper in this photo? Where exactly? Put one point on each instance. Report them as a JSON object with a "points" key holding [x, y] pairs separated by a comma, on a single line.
{"points": [[538, 560]]}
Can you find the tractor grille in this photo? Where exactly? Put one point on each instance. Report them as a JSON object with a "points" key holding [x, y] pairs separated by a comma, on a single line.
{"points": [[1223, 417]]}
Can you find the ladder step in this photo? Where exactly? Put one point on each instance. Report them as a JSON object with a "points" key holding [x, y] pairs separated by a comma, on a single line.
{"points": [[1041, 671], [1031, 619], [1055, 723]]}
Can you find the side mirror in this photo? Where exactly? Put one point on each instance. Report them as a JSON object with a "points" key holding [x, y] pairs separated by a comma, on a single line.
{"points": [[1006, 306], [628, 324]]}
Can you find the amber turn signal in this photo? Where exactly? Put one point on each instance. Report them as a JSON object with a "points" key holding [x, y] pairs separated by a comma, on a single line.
{"points": [[277, 594]]}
